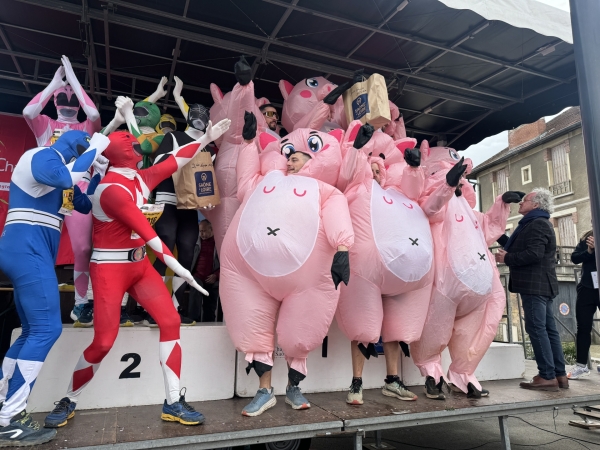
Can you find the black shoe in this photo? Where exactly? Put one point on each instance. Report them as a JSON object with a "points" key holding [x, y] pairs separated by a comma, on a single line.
{"points": [[186, 321], [23, 432], [434, 391], [125, 320], [473, 392], [150, 322]]}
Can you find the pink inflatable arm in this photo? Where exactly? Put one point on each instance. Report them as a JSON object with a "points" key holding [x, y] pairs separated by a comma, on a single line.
{"points": [[437, 195], [242, 100], [248, 169], [413, 182], [355, 169], [336, 217], [494, 221]]}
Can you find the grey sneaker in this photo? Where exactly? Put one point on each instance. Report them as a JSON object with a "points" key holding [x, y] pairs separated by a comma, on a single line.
{"points": [[398, 390], [263, 400], [295, 399], [355, 393], [578, 371]]}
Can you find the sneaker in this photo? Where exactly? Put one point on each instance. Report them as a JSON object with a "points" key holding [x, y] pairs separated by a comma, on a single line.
{"points": [[62, 412], [294, 398], [473, 392], [263, 400], [125, 319], [186, 321], [398, 390], [578, 371], [181, 412], [23, 431], [433, 390], [355, 393], [83, 315]]}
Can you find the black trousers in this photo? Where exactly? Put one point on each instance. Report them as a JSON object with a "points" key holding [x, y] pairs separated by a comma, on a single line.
{"points": [[202, 308], [588, 300]]}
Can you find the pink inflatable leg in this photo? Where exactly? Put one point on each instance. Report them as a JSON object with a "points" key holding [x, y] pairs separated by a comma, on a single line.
{"points": [[360, 313], [304, 320], [427, 351], [80, 233], [404, 315], [473, 335], [250, 313]]}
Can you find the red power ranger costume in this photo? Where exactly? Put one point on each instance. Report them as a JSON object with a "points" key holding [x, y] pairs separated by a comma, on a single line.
{"points": [[119, 263]]}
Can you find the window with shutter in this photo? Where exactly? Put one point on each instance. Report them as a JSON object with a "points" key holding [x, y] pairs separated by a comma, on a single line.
{"points": [[502, 181], [560, 169], [566, 231]]}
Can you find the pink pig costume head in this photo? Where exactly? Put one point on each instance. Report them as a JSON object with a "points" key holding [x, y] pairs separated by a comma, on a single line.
{"points": [[301, 99], [323, 149], [436, 162]]}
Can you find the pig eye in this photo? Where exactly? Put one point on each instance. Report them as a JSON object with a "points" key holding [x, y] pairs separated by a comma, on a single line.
{"points": [[311, 82], [315, 143], [288, 150], [453, 155]]}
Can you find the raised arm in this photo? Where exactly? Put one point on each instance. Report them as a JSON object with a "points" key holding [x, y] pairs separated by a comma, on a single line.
{"points": [[117, 204], [494, 220], [177, 158], [355, 165], [49, 169], [183, 106], [84, 100], [31, 112], [159, 93]]}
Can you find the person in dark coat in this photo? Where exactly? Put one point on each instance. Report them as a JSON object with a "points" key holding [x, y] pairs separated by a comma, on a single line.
{"points": [[530, 254], [587, 302]]}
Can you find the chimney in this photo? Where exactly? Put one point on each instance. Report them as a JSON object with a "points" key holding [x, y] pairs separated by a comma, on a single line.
{"points": [[526, 133]]}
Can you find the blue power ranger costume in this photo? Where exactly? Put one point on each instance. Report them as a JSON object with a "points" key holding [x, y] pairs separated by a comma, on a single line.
{"points": [[28, 249]]}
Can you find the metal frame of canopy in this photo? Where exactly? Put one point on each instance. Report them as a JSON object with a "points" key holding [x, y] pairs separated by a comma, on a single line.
{"points": [[454, 74]]}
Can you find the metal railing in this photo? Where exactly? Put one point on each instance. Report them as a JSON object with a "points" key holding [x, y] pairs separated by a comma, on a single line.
{"points": [[561, 188], [563, 255]]}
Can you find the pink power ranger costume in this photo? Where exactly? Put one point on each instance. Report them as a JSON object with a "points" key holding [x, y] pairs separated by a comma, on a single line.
{"points": [[67, 98], [468, 298]]}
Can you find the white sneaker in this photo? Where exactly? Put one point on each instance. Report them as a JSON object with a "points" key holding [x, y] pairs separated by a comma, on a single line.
{"points": [[578, 371]]}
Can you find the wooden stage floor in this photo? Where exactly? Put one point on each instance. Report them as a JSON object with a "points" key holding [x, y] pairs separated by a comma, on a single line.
{"points": [[140, 427]]}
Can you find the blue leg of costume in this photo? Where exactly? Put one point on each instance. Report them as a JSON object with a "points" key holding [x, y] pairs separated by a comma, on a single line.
{"points": [[38, 305]]}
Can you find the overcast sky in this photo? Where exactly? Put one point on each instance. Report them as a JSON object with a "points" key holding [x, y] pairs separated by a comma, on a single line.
{"points": [[560, 4]]}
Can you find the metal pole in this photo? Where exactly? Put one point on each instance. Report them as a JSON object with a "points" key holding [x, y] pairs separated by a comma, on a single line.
{"points": [[504, 436], [586, 41]]}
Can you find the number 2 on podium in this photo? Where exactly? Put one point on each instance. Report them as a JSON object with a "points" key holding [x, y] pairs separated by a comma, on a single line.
{"points": [[127, 373]]}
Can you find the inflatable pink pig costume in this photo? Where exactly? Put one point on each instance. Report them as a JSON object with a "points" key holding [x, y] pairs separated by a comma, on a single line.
{"points": [[230, 106], [392, 258], [303, 105], [468, 298], [277, 255]]}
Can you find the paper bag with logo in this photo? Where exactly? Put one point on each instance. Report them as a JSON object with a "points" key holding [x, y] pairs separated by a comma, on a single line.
{"points": [[195, 183], [367, 101]]}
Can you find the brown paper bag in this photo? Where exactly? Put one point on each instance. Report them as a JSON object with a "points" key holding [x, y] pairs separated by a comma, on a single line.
{"points": [[195, 183], [367, 101]]}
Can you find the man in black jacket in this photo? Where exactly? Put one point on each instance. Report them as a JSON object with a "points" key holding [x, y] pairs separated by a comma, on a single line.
{"points": [[530, 254]]}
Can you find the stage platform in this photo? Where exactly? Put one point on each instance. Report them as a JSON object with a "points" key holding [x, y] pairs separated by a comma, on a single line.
{"points": [[140, 427]]}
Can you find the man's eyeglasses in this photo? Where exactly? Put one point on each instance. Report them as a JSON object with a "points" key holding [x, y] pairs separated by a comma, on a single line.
{"points": [[272, 114]]}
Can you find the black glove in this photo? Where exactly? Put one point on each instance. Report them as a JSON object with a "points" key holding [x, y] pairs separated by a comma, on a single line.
{"points": [[358, 76], [502, 240], [332, 97], [454, 175], [412, 156], [364, 135], [513, 196], [249, 131], [243, 71], [340, 269]]}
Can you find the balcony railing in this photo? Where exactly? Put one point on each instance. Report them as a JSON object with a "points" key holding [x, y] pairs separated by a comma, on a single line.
{"points": [[561, 188]]}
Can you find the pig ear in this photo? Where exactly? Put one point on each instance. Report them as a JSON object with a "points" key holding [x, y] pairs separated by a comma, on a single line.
{"points": [[338, 134], [353, 130], [406, 143], [286, 88], [425, 151], [262, 101], [216, 93], [265, 139]]}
